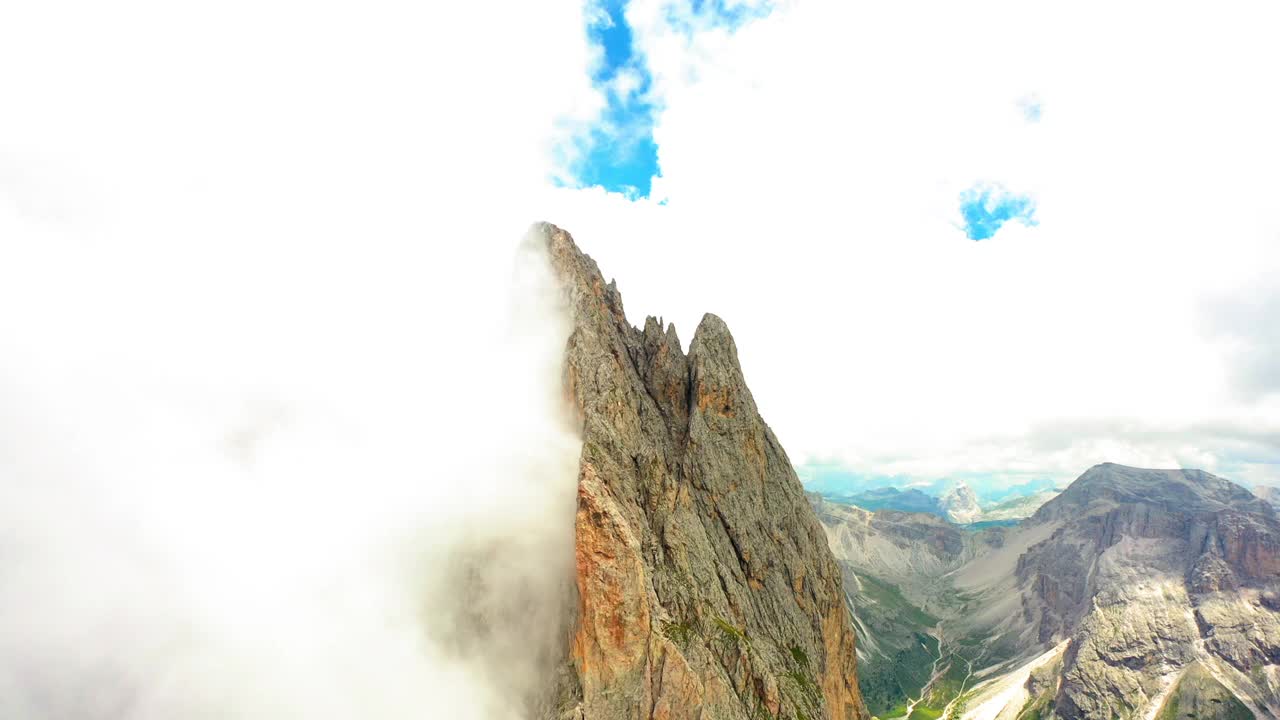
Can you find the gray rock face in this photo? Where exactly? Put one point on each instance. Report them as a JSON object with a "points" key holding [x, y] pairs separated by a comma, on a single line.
{"points": [[1148, 572], [706, 588], [903, 548], [1200, 696], [1144, 574], [960, 504], [1186, 524]]}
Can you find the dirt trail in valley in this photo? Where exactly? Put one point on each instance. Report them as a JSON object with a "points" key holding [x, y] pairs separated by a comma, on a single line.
{"points": [[935, 673]]}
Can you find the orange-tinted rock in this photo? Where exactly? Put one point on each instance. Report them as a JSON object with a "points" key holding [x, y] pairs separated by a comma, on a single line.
{"points": [[706, 587]]}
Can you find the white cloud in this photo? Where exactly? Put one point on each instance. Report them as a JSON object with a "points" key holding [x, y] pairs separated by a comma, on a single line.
{"points": [[261, 408], [812, 163]]}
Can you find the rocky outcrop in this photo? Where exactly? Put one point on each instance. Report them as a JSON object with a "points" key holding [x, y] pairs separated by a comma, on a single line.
{"points": [[1199, 529], [705, 585], [960, 504], [1148, 572], [1199, 695]]}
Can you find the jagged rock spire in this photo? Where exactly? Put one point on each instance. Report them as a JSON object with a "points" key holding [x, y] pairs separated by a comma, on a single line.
{"points": [[706, 587]]}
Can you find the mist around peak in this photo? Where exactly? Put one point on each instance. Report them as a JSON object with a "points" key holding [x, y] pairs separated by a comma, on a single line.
{"points": [[341, 520]]}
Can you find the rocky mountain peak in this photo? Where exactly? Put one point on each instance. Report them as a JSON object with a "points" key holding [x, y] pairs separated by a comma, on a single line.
{"points": [[1147, 571], [1216, 534], [960, 504], [1194, 491], [705, 585]]}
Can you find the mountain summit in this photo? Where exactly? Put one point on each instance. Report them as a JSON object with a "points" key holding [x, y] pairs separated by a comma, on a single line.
{"points": [[960, 504], [1152, 584], [705, 585]]}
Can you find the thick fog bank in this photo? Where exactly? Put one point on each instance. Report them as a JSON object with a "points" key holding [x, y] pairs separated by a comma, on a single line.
{"points": [[308, 488]]}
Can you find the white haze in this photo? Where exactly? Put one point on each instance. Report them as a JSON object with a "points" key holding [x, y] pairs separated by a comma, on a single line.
{"points": [[265, 550], [812, 162], [280, 425]]}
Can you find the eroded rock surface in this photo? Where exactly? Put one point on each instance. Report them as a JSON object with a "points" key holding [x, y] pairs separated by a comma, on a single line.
{"points": [[706, 588], [960, 504], [908, 549], [1199, 696], [1149, 573]]}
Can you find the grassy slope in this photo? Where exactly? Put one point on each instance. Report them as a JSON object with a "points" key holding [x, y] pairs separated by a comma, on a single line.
{"points": [[1198, 696], [901, 631], [947, 687]]}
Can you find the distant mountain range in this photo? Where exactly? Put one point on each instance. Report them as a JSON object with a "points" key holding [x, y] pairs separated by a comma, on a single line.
{"points": [[909, 500], [836, 480], [958, 503]]}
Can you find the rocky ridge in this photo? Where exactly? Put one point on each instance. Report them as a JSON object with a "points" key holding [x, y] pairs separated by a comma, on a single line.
{"points": [[705, 585], [1146, 573], [1131, 590]]}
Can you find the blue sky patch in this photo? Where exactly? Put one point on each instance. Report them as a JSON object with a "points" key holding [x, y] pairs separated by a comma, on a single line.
{"points": [[728, 14], [619, 153], [985, 208]]}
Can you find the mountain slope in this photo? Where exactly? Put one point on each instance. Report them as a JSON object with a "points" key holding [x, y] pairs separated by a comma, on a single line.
{"points": [[908, 549], [894, 562], [1197, 694], [1019, 507], [705, 585], [1130, 592], [1145, 573]]}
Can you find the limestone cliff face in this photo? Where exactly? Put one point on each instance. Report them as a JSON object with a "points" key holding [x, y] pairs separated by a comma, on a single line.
{"points": [[705, 585], [960, 504], [1202, 528], [1150, 572]]}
